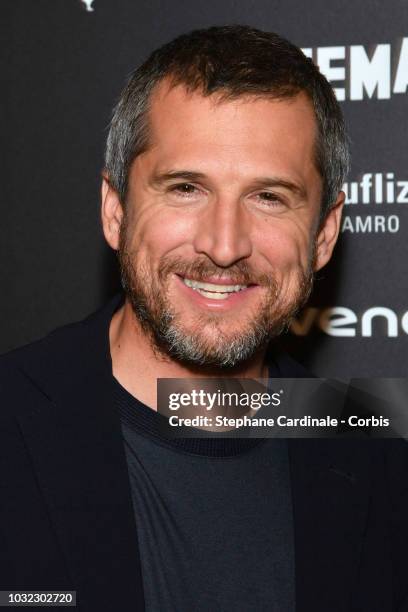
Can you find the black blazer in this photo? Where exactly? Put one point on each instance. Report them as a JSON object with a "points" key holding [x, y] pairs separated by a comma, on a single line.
{"points": [[66, 516]]}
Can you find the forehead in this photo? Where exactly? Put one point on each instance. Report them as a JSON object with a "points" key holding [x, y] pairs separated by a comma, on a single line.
{"points": [[174, 103], [243, 133]]}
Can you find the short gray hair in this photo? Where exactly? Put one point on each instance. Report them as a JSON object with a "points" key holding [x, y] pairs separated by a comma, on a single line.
{"points": [[233, 61]]}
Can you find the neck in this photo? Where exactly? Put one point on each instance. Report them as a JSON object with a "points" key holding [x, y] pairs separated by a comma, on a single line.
{"points": [[137, 365]]}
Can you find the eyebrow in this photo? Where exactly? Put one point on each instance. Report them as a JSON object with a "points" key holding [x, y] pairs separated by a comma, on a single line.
{"points": [[258, 183], [276, 181], [186, 175]]}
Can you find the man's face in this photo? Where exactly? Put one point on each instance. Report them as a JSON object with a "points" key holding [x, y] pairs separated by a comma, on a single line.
{"points": [[218, 242]]}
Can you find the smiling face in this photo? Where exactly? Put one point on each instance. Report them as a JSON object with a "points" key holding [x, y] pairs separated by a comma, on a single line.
{"points": [[220, 236]]}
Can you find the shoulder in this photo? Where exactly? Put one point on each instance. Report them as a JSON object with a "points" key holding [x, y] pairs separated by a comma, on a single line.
{"points": [[13, 363], [49, 362], [22, 370]]}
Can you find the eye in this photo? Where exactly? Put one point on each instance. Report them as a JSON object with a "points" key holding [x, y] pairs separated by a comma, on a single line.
{"points": [[184, 189], [269, 199]]}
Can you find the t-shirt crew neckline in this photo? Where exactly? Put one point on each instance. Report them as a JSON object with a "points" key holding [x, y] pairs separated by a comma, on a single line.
{"points": [[135, 415]]}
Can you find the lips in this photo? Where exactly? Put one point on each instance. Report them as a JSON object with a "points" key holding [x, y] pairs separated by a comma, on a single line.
{"points": [[213, 291]]}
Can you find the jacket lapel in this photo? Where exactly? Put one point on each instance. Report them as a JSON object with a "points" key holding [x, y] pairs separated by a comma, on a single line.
{"points": [[331, 488], [330, 495], [73, 434]]}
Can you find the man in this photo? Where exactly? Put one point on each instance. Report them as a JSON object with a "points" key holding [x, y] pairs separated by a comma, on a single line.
{"points": [[222, 196]]}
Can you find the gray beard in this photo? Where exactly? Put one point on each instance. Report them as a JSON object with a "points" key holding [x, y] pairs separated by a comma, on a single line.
{"points": [[170, 339], [163, 326]]}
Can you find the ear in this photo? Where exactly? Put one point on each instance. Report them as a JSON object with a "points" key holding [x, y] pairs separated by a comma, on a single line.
{"points": [[328, 233], [111, 213]]}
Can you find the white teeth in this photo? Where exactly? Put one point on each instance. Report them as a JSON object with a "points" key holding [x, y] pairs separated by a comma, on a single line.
{"points": [[213, 295], [218, 292]]}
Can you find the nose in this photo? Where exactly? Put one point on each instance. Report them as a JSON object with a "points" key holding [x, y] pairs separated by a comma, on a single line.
{"points": [[222, 233]]}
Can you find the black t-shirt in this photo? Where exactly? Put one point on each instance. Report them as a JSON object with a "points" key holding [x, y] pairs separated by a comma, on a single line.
{"points": [[213, 516]]}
